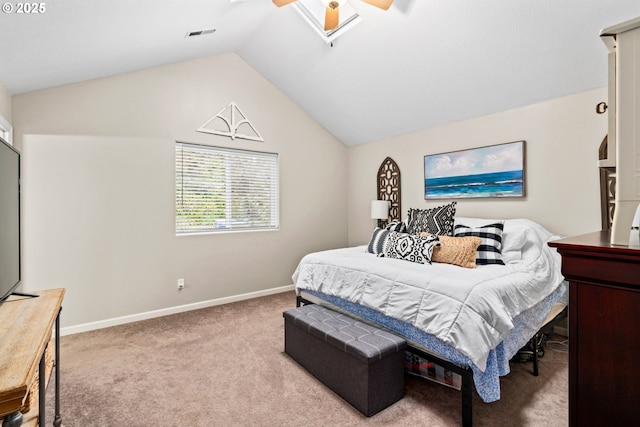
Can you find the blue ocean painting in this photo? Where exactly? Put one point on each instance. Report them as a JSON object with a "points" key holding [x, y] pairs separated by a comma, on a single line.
{"points": [[493, 171], [494, 184]]}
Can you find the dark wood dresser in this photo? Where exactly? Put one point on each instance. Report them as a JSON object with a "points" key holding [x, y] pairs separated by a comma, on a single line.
{"points": [[604, 330]]}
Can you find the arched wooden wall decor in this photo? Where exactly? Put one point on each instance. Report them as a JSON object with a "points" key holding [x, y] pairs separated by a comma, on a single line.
{"points": [[607, 188], [389, 187]]}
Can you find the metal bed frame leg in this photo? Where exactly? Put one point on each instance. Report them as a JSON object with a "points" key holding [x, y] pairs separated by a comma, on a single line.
{"points": [[535, 354], [300, 301], [467, 398]]}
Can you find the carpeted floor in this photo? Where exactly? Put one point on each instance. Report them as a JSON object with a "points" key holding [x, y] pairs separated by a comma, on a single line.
{"points": [[225, 366]]}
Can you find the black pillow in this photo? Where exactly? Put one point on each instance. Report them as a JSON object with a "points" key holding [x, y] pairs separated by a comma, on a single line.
{"points": [[398, 226], [438, 221]]}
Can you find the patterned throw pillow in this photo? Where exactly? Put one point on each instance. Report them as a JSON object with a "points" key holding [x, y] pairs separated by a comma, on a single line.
{"points": [[398, 226], [377, 242], [379, 237], [490, 250], [437, 221], [410, 247], [460, 251]]}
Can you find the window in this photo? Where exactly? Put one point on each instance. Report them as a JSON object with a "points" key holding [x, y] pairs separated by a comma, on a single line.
{"points": [[222, 189], [6, 130]]}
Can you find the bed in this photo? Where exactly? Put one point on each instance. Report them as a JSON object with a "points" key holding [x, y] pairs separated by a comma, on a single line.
{"points": [[472, 320]]}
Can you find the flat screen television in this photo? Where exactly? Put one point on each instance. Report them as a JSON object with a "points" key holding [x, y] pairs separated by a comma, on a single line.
{"points": [[9, 220]]}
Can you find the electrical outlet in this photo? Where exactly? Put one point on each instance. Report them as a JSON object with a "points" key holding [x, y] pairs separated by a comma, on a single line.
{"points": [[180, 284]]}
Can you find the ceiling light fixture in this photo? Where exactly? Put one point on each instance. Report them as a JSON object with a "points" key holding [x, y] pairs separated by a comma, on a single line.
{"points": [[331, 20]]}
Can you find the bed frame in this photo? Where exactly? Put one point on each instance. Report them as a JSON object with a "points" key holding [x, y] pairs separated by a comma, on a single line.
{"points": [[465, 372], [388, 183], [534, 348]]}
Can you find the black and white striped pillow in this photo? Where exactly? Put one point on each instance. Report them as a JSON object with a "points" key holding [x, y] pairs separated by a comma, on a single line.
{"points": [[380, 236], [377, 242], [490, 250]]}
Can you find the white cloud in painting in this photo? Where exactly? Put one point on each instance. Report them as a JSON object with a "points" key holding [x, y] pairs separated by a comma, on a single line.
{"points": [[508, 158], [497, 158], [451, 164]]}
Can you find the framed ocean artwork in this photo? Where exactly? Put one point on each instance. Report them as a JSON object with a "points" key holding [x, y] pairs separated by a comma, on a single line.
{"points": [[492, 171]]}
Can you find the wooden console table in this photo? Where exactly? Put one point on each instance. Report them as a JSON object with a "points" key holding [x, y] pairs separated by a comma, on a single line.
{"points": [[26, 323], [604, 324]]}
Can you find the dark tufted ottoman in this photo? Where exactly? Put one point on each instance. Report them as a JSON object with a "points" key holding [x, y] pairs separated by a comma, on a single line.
{"points": [[361, 363]]}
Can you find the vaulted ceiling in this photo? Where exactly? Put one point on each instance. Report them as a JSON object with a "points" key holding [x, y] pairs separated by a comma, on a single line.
{"points": [[421, 64]]}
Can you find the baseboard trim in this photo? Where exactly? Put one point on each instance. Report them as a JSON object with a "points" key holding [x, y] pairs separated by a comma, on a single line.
{"points": [[86, 327]]}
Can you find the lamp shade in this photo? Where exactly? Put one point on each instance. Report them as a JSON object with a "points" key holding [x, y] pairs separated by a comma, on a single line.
{"points": [[379, 209]]}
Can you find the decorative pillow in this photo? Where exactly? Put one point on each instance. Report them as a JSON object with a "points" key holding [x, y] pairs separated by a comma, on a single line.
{"points": [[378, 241], [460, 251], [410, 247], [513, 240], [489, 251], [398, 226], [515, 234], [438, 221]]}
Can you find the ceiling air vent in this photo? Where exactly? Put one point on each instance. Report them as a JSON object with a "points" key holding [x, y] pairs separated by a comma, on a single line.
{"points": [[200, 32]]}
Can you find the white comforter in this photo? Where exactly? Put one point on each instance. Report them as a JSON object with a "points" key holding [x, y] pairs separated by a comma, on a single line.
{"points": [[469, 309]]}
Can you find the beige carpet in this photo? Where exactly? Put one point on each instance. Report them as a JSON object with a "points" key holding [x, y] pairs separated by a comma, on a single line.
{"points": [[225, 366]]}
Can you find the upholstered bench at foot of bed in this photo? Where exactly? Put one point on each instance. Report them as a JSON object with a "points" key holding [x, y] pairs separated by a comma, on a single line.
{"points": [[361, 363]]}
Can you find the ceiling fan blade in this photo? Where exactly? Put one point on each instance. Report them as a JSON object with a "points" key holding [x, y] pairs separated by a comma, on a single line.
{"points": [[281, 3], [382, 4], [331, 18]]}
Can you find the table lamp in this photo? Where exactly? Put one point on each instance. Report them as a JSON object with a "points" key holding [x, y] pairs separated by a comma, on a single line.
{"points": [[380, 211]]}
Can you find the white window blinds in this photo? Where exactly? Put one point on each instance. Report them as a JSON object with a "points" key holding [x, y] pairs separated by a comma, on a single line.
{"points": [[219, 189]]}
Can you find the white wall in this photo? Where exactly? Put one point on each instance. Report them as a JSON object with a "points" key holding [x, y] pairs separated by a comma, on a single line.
{"points": [[83, 144], [98, 189], [562, 180]]}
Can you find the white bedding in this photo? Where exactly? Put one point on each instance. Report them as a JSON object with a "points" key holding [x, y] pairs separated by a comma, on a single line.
{"points": [[470, 309]]}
